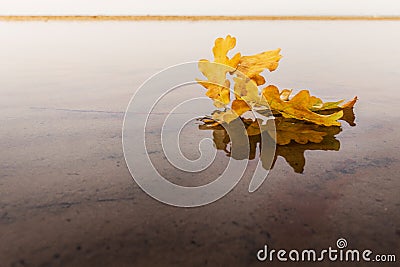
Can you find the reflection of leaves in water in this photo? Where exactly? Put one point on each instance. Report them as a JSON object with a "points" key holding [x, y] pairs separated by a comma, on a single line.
{"points": [[293, 138], [348, 116], [294, 152]]}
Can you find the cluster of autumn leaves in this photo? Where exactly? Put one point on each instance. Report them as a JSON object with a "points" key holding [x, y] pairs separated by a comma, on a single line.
{"points": [[245, 96]]}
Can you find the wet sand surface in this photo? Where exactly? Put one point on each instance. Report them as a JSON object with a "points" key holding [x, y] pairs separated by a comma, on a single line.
{"points": [[67, 197]]}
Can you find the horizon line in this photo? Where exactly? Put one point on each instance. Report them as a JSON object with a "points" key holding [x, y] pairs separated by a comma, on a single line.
{"points": [[180, 18]]}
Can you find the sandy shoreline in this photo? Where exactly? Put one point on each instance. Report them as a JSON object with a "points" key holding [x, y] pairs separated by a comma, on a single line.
{"points": [[188, 18]]}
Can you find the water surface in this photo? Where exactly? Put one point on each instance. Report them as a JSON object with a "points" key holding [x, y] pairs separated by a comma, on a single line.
{"points": [[67, 198]]}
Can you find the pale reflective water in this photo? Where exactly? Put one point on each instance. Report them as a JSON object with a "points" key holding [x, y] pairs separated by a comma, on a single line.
{"points": [[67, 198]]}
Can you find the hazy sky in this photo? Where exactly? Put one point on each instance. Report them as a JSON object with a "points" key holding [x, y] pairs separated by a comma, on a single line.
{"points": [[201, 7]]}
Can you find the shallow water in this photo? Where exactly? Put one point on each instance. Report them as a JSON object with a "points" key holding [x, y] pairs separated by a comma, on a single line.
{"points": [[67, 198]]}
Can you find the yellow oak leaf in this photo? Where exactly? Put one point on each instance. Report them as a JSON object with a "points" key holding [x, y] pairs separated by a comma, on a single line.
{"points": [[348, 113], [351, 103], [224, 116], [237, 109], [217, 85], [240, 106], [221, 95], [221, 49], [258, 79], [252, 66], [246, 89], [298, 107], [317, 104], [285, 94]]}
